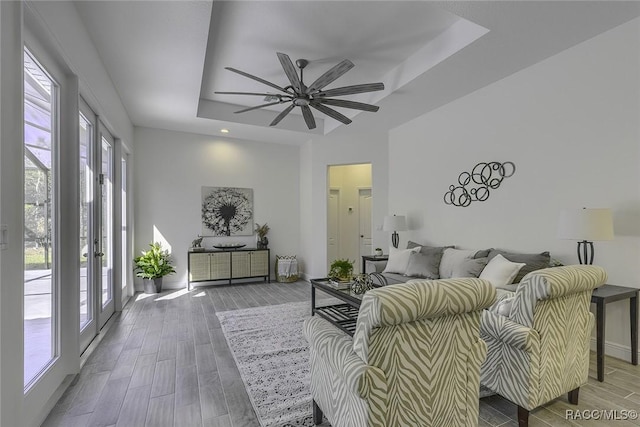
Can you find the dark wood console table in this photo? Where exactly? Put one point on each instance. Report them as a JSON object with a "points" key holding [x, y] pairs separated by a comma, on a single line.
{"points": [[601, 297]]}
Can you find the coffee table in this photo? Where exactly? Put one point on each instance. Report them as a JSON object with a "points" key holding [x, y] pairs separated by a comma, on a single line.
{"points": [[343, 315]]}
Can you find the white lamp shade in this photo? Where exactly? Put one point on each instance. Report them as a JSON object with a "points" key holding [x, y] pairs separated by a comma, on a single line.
{"points": [[394, 223], [585, 224]]}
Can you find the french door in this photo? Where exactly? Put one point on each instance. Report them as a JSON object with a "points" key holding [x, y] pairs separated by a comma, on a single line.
{"points": [[96, 171]]}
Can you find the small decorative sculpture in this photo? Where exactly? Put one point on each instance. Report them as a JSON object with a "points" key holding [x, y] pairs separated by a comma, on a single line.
{"points": [[197, 242], [361, 284], [485, 177]]}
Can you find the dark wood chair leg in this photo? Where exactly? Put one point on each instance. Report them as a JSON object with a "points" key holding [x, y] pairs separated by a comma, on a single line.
{"points": [[317, 414], [523, 417], [573, 396]]}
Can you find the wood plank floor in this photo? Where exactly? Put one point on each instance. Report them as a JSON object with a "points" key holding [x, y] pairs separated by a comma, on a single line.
{"points": [[165, 362]]}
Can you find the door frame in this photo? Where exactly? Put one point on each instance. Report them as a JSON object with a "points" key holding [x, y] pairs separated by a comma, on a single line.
{"points": [[370, 189], [105, 311], [89, 331]]}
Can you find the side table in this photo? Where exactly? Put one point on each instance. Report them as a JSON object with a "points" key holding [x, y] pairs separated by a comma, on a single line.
{"points": [[601, 297], [366, 258]]}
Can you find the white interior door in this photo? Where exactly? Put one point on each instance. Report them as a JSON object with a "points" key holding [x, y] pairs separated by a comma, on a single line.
{"points": [[333, 225], [364, 209]]}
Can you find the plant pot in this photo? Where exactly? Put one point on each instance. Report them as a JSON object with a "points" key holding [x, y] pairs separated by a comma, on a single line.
{"points": [[152, 286], [378, 252]]}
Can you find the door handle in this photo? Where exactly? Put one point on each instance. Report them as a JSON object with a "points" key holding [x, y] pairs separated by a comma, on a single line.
{"points": [[100, 254], [85, 255]]}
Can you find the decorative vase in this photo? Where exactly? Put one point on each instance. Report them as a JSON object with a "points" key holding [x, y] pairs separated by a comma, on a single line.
{"points": [[152, 286], [263, 243]]}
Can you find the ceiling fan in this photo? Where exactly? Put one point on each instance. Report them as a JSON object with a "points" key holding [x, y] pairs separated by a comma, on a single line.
{"points": [[300, 95]]}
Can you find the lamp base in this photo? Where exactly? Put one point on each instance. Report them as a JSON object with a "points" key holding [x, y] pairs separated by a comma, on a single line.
{"points": [[395, 239], [585, 252]]}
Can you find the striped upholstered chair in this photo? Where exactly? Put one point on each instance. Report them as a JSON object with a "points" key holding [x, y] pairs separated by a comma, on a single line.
{"points": [[414, 359], [538, 348]]}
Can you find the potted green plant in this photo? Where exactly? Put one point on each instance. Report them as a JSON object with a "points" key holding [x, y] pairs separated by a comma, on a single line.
{"points": [[152, 266], [341, 270]]}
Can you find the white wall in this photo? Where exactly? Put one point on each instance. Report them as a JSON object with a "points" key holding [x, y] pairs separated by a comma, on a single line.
{"points": [[571, 126], [170, 169], [363, 141]]}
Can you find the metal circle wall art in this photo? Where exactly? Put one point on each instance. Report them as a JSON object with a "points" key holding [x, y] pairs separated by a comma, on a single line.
{"points": [[476, 186]]}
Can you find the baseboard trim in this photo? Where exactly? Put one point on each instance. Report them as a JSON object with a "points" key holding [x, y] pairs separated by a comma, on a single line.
{"points": [[616, 350]]}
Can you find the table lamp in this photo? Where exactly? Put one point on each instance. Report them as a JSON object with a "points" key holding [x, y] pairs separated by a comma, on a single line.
{"points": [[585, 225], [394, 223]]}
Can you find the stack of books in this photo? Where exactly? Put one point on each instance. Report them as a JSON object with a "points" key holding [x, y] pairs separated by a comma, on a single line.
{"points": [[339, 285]]}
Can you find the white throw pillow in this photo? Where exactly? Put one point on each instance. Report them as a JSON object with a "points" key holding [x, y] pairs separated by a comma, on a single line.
{"points": [[451, 258], [399, 259], [500, 271]]}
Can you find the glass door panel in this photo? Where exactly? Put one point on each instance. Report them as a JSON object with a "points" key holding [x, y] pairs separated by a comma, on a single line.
{"points": [[89, 305], [40, 180], [105, 243], [86, 191], [125, 263]]}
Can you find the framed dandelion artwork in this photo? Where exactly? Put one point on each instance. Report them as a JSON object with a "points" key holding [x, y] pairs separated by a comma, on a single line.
{"points": [[227, 211]]}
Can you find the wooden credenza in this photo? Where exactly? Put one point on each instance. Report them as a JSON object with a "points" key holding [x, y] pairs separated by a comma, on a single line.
{"points": [[208, 266]]}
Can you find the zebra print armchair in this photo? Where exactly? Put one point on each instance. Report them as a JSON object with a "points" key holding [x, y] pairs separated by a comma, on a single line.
{"points": [[539, 349], [414, 359]]}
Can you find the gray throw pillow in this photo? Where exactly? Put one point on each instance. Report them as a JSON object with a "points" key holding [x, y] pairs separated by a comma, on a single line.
{"points": [[482, 253], [425, 249], [533, 261], [425, 265], [470, 267]]}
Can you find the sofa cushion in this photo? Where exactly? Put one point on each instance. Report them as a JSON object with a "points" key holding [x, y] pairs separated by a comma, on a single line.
{"points": [[500, 271], [452, 257], [399, 259], [425, 264], [425, 248], [393, 278], [470, 267], [533, 261]]}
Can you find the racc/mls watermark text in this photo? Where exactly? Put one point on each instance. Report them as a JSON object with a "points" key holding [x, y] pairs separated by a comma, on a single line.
{"points": [[601, 414]]}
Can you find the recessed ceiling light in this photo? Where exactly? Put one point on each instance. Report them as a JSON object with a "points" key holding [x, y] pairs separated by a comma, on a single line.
{"points": [[224, 130]]}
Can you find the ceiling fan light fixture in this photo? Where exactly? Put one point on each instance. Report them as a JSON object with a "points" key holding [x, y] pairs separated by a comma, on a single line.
{"points": [[300, 102], [312, 96]]}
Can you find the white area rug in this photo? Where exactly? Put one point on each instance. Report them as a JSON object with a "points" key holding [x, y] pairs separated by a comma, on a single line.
{"points": [[272, 356]]}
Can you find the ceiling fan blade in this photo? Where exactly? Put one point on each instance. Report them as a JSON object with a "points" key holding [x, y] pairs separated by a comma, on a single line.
{"points": [[330, 75], [347, 104], [256, 107], [350, 90], [281, 115], [308, 117], [332, 113], [290, 71], [258, 79], [249, 93]]}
